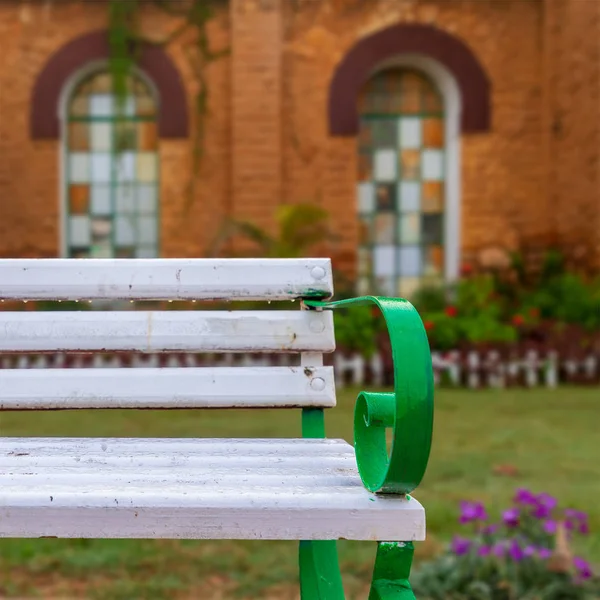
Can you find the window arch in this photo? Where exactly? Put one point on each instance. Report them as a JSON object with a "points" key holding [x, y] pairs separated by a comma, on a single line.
{"points": [[402, 187], [110, 169]]}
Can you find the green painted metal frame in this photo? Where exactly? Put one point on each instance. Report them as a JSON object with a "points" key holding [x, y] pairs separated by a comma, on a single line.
{"points": [[408, 411]]}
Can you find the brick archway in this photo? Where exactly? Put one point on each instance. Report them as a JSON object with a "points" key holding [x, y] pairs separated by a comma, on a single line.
{"points": [[368, 53], [75, 55]]}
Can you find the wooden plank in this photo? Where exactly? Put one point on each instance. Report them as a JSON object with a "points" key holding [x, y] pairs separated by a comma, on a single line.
{"points": [[194, 489], [219, 387], [157, 279], [167, 331]]}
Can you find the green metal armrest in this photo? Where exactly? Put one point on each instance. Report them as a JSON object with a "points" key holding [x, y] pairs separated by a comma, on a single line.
{"points": [[408, 411]]}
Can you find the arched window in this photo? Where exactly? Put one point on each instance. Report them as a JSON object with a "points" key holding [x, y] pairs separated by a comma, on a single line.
{"points": [[401, 189], [110, 170]]}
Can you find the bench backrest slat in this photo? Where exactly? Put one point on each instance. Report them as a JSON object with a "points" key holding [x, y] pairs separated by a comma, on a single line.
{"points": [[218, 387], [165, 279], [167, 331]]}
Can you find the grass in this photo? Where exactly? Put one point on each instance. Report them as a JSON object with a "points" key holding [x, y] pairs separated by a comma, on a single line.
{"points": [[486, 443]]}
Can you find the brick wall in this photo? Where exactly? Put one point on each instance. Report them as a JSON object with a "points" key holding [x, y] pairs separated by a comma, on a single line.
{"points": [[574, 92], [534, 176]]}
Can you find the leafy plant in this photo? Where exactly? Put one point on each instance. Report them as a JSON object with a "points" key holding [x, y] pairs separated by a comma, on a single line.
{"points": [[526, 556], [300, 227], [357, 329]]}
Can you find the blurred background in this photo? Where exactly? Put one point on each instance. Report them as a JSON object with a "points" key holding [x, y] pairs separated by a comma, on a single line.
{"points": [[444, 151]]}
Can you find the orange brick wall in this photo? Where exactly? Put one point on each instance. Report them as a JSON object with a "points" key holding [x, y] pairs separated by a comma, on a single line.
{"points": [[534, 176], [574, 92]]}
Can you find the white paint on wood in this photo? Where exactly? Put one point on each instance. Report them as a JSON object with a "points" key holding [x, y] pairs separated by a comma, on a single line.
{"points": [[551, 372], [167, 331], [196, 489], [220, 387], [145, 279]]}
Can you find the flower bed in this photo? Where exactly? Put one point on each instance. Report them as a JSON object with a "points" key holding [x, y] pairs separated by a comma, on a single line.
{"points": [[527, 554]]}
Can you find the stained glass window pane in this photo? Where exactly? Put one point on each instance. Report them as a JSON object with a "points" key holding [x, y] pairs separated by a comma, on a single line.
{"points": [[433, 197], [385, 225], [410, 259], [125, 199], [433, 165], [385, 165], [383, 133], [125, 166], [79, 231], [366, 197], [146, 252], [147, 230], [432, 229], [79, 167], [410, 161], [101, 203], [125, 230], [434, 260], [410, 133], [410, 229], [433, 133], [101, 137], [79, 198], [101, 105], [410, 196], [100, 166], [146, 197], [384, 260], [146, 166]]}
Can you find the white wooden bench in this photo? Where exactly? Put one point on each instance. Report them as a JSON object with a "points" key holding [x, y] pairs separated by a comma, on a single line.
{"points": [[307, 489]]}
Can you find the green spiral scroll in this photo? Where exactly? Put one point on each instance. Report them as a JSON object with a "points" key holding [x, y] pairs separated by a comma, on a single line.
{"points": [[408, 411]]}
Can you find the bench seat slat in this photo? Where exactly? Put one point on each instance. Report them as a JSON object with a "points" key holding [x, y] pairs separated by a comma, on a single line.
{"points": [[165, 279], [167, 331], [204, 387], [258, 489]]}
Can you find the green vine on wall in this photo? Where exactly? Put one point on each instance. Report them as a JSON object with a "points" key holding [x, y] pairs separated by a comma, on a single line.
{"points": [[126, 38]]}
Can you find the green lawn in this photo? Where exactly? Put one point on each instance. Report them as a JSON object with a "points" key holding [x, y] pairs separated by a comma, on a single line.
{"points": [[486, 443]]}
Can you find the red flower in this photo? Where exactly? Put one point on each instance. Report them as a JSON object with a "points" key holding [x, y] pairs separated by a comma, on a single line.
{"points": [[451, 311], [518, 320], [534, 313], [466, 269], [428, 325]]}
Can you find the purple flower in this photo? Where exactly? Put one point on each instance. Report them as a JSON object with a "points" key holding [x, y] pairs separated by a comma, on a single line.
{"points": [[484, 550], [544, 503], [460, 545], [550, 526], [499, 549], [583, 567], [472, 511], [544, 553], [577, 518], [515, 551], [490, 529], [511, 517], [524, 496], [529, 551]]}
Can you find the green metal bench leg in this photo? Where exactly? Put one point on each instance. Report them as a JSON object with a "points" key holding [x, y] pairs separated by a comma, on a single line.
{"points": [[392, 568], [320, 577]]}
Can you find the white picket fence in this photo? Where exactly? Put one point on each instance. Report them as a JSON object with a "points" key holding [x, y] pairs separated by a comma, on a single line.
{"points": [[461, 369]]}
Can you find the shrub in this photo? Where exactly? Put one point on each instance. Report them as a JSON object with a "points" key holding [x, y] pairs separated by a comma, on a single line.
{"points": [[526, 556]]}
